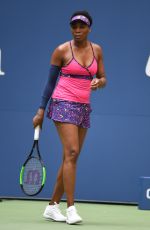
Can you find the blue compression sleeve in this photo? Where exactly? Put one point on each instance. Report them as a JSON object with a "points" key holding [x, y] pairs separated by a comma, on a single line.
{"points": [[50, 85]]}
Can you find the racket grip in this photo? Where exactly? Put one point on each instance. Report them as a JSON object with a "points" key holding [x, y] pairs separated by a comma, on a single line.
{"points": [[37, 132]]}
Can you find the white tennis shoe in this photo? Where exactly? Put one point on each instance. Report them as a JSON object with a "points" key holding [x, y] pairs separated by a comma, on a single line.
{"points": [[72, 215], [54, 213]]}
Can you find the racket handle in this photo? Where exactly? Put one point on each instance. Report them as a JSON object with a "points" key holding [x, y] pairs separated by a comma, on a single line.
{"points": [[37, 132]]}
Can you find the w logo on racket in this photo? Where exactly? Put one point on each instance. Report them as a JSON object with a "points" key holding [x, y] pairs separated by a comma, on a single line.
{"points": [[33, 177]]}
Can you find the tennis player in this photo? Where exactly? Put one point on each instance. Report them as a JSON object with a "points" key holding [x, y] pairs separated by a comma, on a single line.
{"points": [[75, 63]]}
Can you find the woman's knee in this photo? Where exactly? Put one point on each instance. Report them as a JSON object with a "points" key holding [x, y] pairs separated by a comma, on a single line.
{"points": [[71, 155]]}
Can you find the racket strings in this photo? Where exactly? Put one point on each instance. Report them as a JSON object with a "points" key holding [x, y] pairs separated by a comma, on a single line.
{"points": [[32, 176]]}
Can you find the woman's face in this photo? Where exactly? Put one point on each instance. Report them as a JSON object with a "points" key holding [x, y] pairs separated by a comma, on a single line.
{"points": [[79, 31]]}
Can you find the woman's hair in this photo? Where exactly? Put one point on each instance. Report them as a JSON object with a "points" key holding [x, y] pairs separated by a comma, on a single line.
{"points": [[83, 13]]}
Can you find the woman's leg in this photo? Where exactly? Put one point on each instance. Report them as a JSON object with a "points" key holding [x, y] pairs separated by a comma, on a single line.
{"points": [[69, 137], [59, 186], [82, 134]]}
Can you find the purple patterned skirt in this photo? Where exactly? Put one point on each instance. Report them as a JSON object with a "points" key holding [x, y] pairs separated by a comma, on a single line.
{"points": [[70, 112]]}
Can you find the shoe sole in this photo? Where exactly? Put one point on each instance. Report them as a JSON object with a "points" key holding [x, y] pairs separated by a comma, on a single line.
{"points": [[50, 218], [75, 222]]}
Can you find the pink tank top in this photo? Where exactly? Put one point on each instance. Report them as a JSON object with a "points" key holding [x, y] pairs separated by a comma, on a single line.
{"points": [[75, 81]]}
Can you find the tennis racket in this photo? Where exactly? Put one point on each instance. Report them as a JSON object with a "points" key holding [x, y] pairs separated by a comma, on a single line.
{"points": [[33, 172]]}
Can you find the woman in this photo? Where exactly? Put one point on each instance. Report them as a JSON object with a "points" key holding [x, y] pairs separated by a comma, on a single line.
{"points": [[75, 62]]}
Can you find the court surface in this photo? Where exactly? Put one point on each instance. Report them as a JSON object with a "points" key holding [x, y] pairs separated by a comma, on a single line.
{"points": [[16, 215]]}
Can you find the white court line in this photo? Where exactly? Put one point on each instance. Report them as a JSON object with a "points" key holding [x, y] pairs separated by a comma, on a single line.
{"points": [[1, 72]]}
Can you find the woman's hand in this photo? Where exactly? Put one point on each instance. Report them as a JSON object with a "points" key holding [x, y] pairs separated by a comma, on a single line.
{"points": [[98, 83], [38, 118]]}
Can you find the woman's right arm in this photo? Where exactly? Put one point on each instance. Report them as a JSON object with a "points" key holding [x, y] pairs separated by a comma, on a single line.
{"points": [[56, 63]]}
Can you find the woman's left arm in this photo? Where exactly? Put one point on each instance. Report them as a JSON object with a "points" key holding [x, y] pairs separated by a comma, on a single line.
{"points": [[100, 80]]}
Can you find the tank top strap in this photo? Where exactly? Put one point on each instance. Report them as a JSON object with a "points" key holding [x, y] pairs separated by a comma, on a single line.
{"points": [[71, 49], [92, 49]]}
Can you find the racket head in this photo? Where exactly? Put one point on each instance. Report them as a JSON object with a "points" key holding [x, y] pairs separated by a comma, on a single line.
{"points": [[32, 176]]}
